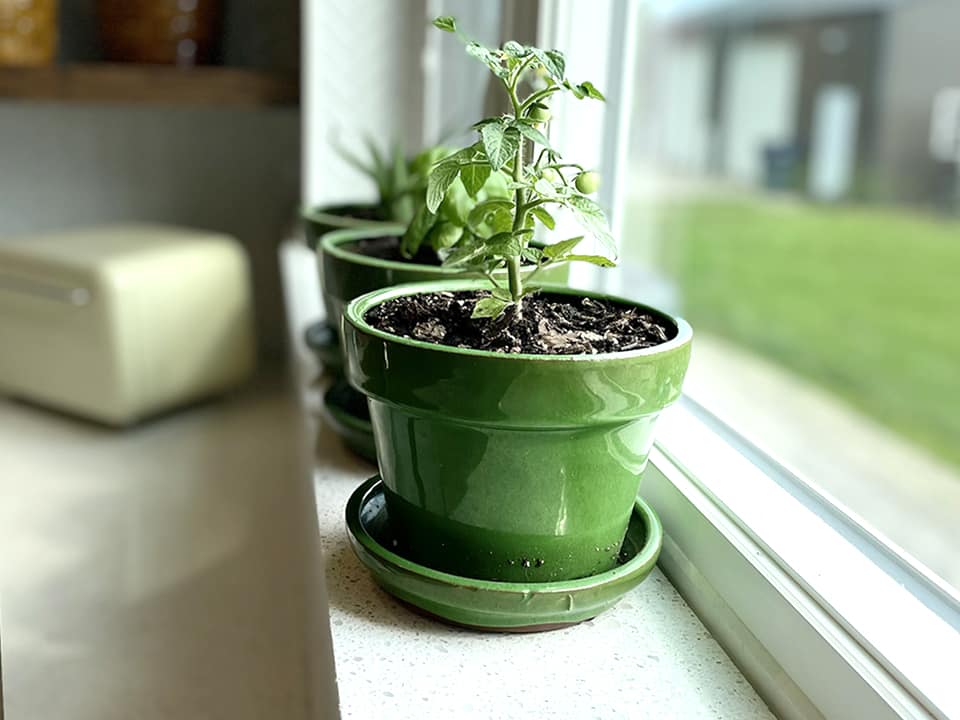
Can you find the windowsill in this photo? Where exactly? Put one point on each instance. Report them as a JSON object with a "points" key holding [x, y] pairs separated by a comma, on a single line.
{"points": [[821, 615], [649, 649]]}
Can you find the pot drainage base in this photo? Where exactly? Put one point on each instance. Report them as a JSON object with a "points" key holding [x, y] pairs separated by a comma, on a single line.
{"points": [[490, 605]]}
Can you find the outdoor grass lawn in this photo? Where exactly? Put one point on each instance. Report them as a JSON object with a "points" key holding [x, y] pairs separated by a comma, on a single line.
{"points": [[864, 302]]}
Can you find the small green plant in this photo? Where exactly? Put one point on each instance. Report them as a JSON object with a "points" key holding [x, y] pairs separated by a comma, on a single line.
{"points": [[402, 188], [513, 148], [393, 175], [443, 227]]}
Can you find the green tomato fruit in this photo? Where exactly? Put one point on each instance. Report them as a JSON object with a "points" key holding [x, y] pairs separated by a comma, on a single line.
{"points": [[539, 113], [588, 182], [551, 176]]}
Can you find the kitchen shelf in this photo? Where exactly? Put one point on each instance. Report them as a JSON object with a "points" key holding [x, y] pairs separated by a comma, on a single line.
{"points": [[150, 85]]}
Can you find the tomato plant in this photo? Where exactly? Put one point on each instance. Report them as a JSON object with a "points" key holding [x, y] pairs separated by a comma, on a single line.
{"points": [[512, 146]]}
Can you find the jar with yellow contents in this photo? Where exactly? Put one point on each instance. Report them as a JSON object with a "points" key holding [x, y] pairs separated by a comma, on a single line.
{"points": [[28, 32]]}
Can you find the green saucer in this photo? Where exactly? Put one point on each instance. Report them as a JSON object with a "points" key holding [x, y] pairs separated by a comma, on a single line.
{"points": [[488, 605], [346, 412], [322, 340]]}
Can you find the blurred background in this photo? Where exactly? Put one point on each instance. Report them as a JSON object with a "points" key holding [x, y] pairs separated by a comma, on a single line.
{"points": [[794, 179], [174, 111]]}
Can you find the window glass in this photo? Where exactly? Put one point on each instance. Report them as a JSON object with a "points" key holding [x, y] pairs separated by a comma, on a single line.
{"points": [[794, 176]]}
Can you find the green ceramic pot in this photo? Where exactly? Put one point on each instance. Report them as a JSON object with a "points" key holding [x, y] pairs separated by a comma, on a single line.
{"points": [[318, 221], [510, 467], [346, 274]]}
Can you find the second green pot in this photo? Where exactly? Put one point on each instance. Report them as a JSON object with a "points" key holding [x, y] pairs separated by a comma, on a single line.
{"points": [[320, 220], [509, 467]]}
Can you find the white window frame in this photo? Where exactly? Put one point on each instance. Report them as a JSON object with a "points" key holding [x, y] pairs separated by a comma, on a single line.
{"points": [[825, 619]]}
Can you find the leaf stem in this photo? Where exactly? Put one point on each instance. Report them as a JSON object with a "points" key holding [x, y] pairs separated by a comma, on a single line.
{"points": [[538, 96]]}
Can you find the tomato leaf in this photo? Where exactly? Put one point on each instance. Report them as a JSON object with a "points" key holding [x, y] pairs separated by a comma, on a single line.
{"points": [[500, 143], [441, 178], [558, 250], [489, 307], [473, 177]]}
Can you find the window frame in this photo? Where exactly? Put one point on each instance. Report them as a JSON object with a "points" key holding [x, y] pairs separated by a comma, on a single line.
{"points": [[784, 578]]}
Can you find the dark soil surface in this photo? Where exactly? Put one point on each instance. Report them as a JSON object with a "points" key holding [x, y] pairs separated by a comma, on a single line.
{"points": [[550, 324], [388, 248], [357, 212]]}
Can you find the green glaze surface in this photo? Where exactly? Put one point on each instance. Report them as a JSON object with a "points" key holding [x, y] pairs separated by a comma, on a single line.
{"points": [[318, 221], [510, 467], [522, 605], [355, 431]]}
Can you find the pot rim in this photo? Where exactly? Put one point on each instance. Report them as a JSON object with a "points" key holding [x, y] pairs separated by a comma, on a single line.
{"points": [[357, 308], [330, 244], [323, 213]]}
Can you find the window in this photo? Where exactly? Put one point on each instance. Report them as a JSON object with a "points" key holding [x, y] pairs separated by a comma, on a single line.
{"points": [[784, 175], [793, 190]]}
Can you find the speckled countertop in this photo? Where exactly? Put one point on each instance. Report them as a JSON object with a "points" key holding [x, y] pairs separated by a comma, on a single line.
{"points": [[648, 657]]}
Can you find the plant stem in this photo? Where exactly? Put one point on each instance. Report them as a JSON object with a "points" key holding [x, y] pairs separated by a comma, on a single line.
{"points": [[520, 212], [540, 95]]}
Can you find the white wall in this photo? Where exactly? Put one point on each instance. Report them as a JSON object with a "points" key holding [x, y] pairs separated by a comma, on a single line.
{"points": [[361, 75]]}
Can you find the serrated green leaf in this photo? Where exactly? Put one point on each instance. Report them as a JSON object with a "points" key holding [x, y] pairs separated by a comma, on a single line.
{"points": [[441, 178], [490, 58], [549, 62], [561, 248], [499, 143], [559, 60], [489, 307], [591, 217], [531, 133], [544, 217], [468, 249], [515, 49], [504, 244], [445, 23], [532, 255], [486, 121], [575, 89], [501, 220], [588, 90], [481, 210], [423, 221], [600, 260], [502, 294], [473, 177], [456, 204]]}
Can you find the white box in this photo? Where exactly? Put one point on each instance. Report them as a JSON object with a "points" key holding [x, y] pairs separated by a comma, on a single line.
{"points": [[118, 323]]}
